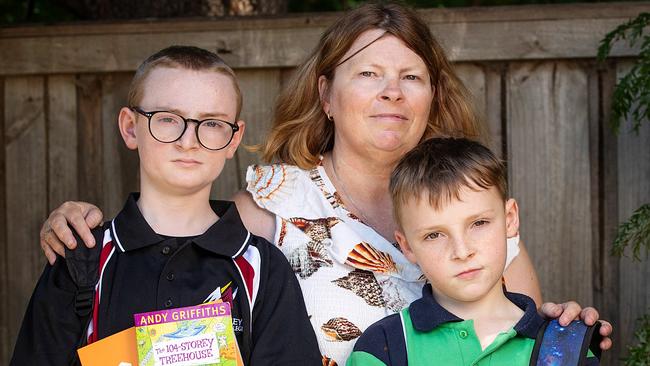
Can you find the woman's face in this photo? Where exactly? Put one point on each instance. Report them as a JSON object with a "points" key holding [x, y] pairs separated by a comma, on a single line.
{"points": [[379, 99]]}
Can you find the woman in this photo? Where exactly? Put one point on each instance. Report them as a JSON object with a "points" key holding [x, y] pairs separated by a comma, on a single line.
{"points": [[375, 86]]}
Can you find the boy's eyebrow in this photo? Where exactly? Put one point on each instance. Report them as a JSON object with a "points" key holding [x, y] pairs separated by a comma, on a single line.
{"points": [[201, 116]]}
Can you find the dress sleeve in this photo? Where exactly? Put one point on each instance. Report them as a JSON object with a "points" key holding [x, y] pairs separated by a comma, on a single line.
{"points": [[512, 247], [51, 331], [282, 333]]}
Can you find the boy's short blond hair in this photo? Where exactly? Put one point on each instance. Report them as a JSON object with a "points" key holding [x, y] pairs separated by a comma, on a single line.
{"points": [[183, 57], [440, 167]]}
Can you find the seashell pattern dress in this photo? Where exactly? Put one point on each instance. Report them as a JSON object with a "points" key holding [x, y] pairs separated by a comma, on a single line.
{"points": [[350, 275]]}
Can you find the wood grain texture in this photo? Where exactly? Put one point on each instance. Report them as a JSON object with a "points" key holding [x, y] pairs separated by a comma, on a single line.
{"points": [[120, 165], [5, 341], [549, 173], [633, 191], [468, 35], [62, 140], [89, 112], [26, 191]]}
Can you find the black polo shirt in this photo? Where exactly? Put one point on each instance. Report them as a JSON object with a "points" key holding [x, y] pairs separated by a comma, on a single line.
{"points": [[142, 271]]}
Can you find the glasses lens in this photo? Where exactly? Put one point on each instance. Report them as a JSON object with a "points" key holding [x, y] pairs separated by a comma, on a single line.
{"points": [[166, 127], [215, 134]]}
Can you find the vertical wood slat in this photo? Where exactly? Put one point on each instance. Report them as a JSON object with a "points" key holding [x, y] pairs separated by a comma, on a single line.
{"points": [[89, 112], [606, 297], [549, 173], [5, 340], [120, 165], [26, 172], [633, 191], [62, 140]]}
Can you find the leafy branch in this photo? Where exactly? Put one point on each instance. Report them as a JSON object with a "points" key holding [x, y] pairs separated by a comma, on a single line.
{"points": [[639, 354], [634, 233], [631, 97]]}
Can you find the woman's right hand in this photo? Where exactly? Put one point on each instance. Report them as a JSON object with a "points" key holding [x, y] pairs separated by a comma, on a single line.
{"points": [[56, 232]]}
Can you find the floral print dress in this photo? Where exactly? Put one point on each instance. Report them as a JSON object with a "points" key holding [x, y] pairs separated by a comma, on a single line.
{"points": [[350, 275]]}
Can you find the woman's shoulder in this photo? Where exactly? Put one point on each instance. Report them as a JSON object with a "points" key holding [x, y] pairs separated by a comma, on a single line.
{"points": [[275, 186]]}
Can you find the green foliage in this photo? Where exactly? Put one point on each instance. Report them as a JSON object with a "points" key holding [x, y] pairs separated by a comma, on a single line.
{"points": [[634, 233], [632, 94], [639, 355]]}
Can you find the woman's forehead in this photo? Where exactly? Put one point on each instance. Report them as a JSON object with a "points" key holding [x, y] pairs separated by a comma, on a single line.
{"points": [[381, 47]]}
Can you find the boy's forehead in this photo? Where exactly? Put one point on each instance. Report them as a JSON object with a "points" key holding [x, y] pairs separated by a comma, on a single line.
{"points": [[468, 199], [189, 91]]}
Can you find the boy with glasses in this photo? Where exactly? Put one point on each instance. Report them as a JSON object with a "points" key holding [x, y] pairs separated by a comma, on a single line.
{"points": [[171, 246]]}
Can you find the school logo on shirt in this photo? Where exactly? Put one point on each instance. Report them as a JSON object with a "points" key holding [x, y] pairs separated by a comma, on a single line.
{"points": [[227, 294]]}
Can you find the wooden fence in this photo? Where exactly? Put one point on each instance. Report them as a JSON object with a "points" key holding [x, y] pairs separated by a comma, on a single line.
{"points": [[531, 69]]}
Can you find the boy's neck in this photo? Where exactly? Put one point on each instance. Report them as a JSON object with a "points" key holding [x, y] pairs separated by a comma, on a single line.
{"points": [[491, 314], [174, 214]]}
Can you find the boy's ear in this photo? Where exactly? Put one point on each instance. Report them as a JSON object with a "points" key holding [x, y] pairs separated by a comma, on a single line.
{"points": [[323, 92], [512, 218], [404, 246], [231, 149], [127, 122]]}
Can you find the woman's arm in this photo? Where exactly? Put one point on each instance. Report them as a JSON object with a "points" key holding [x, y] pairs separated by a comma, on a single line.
{"points": [[256, 219], [521, 277], [55, 233]]}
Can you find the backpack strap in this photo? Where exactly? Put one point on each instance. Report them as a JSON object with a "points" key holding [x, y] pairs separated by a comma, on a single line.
{"points": [[83, 267], [557, 345]]}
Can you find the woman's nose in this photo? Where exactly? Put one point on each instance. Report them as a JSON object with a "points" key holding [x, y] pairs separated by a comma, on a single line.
{"points": [[392, 90]]}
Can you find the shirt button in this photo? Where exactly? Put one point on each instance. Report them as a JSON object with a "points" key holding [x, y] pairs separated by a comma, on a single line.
{"points": [[170, 276], [463, 334], [168, 303], [166, 249]]}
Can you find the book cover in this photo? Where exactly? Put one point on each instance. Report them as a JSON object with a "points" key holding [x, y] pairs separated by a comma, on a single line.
{"points": [[194, 335], [118, 349]]}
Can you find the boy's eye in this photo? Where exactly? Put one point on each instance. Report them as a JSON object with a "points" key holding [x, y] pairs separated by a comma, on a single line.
{"points": [[480, 222], [213, 124], [432, 236]]}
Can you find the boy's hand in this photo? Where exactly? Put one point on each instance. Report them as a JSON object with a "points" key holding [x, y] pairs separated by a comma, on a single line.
{"points": [[570, 311], [56, 234]]}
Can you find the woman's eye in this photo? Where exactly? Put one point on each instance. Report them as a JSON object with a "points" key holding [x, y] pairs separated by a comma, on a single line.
{"points": [[367, 73], [412, 77]]}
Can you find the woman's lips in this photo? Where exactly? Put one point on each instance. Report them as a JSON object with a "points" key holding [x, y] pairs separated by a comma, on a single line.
{"points": [[390, 116]]}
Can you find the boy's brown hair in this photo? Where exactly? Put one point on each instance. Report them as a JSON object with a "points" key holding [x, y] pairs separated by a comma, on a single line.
{"points": [[440, 167], [184, 57]]}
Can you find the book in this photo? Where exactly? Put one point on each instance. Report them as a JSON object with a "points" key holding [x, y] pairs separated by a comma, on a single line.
{"points": [[117, 349], [193, 335]]}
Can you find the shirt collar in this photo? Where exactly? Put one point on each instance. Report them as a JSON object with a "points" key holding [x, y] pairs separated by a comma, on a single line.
{"points": [[227, 236], [426, 313]]}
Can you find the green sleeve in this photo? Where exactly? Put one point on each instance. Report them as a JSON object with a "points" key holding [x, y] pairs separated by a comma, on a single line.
{"points": [[359, 358]]}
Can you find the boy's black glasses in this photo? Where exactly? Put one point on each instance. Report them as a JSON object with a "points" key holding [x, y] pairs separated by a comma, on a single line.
{"points": [[164, 126]]}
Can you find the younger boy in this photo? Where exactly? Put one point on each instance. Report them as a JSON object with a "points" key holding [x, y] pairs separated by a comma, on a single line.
{"points": [[450, 201], [171, 246]]}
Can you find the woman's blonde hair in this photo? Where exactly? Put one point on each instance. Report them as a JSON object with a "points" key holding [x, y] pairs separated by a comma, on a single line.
{"points": [[300, 130]]}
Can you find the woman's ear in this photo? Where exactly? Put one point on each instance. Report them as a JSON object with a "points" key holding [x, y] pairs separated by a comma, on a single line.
{"points": [[512, 218], [323, 92], [404, 246], [231, 149], [127, 122]]}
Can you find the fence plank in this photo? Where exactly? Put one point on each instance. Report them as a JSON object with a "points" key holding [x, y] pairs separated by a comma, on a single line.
{"points": [[469, 35], [25, 159], [62, 140], [549, 173], [89, 112], [120, 165], [5, 341], [633, 191]]}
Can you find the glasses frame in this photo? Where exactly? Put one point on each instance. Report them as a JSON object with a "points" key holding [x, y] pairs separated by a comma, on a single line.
{"points": [[150, 114]]}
